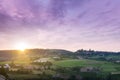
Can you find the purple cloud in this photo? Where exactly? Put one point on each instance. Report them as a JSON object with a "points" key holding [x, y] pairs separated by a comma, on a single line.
{"points": [[49, 23]]}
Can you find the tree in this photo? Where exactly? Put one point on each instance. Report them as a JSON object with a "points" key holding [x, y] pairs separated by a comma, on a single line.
{"points": [[49, 64], [3, 71]]}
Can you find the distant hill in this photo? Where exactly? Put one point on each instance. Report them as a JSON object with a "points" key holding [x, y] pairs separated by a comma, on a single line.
{"points": [[99, 55], [90, 54], [48, 52], [9, 54]]}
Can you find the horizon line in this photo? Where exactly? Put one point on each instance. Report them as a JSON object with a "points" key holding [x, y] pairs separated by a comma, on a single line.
{"points": [[59, 49]]}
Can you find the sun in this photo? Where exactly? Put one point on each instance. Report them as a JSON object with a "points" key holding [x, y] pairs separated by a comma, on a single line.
{"points": [[21, 46]]}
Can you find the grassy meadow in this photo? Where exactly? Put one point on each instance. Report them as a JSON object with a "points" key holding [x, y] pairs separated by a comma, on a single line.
{"points": [[105, 66]]}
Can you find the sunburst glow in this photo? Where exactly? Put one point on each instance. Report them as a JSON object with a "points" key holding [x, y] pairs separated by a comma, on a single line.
{"points": [[21, 46]]}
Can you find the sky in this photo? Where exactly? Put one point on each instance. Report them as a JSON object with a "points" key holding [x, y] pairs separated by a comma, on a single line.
{"points": [[60, 24]]}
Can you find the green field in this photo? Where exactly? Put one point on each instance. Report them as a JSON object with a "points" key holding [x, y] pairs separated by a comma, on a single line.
{"points": [[105, 66], [66, 66]]}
